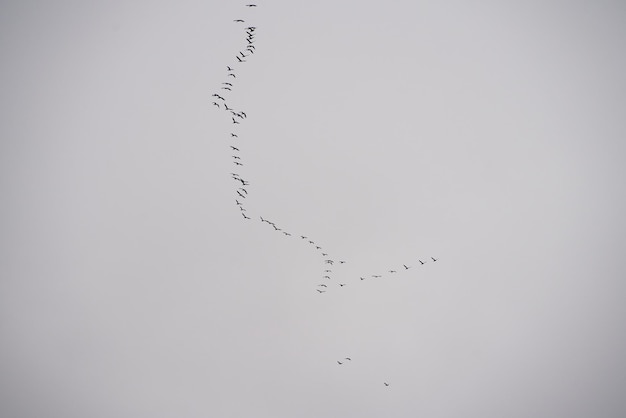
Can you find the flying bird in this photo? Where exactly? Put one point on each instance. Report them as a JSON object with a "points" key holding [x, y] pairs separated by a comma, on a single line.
{"points": [[321, 291], [234, 148], [392, 271], [239, 193], [231, 75], [235, 122], [362, 278], [227, 108], [238, 20], [374, 275], [228, 84], [326, 277], [342, 284], [348, 358], [340, 363], [234, 136], [250, 5], [406, 267], [240, 60], [386, 384], [323, 285], [237, 163], [303, 237], [216, 104], [324, 254], [243, 190], [342, 262], [227, 88], [238, 202], [219, 97], [434, 259], [244, 215], [229, 69]]}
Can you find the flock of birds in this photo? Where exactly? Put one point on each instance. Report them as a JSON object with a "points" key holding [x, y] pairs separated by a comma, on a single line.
{"points": [[237, 117]]}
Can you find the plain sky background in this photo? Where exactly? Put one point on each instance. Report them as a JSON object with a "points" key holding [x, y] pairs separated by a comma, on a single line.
{"points": [[487, 134]]}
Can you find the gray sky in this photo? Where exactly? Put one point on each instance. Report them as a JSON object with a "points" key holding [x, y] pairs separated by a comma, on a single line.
{"points": [[485, 134]]}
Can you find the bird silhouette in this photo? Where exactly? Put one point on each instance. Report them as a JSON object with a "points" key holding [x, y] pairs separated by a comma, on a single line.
{"points": [[231, 75], [250, 5], [234, 148], [323, 285], [240, 60], [235, 122], [421, 262], [237, 163], [386, 384], [234, 136], [434, 259], [362, 278], [340, 363], [392, 271], [342, 284], [239, 193], [406, 267], [238, 20], [216, 104], [348, 358], [321, 291], [376, 276], [244, 215]]}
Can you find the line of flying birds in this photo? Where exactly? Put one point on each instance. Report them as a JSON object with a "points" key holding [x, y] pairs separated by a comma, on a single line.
{"points": [[241, 191]]}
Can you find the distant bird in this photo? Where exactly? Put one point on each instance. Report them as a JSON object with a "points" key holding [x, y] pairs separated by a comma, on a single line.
{"points": [[322, 285], [319, 248], [216, 104], [244, 114], [392, 271], [240, 194], [342, 284], [250, 5], [228, 84], [242, 209], [342, 262], [234, 148], [362, 278], [262, 220], [229, 69], [340, 363], [231, 75], [242, 54], [321, 291], [219, 97], [303, 237], [234, 136], [348, 358], [406, 267], [237, 20], [227, 108], [329, 261], [251, 46], [287, 233], [251, 28], [421, 262], [235, 122], [326, 277], [227, 88], [238, 202], [236, 158], [249, 41], [237, 163], [386, 384], [243, 190], [327, 271], [324, 254], [244, 215], [434, 259], [311, 242], [373, 275], [240, 60]]}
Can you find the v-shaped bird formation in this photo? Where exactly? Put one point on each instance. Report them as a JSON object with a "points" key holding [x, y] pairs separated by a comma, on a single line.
{"points": [[243, 186]]}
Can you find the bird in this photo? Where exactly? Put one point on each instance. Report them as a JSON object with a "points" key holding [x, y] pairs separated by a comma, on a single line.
{"points": [[326, 277], [342, 284], [376, 276], [242, 209], [238, 20], [311, 242], [234, 148], [406, 267], [250, 5], [228, 84], [340, 363], [242, 54], [321, 291], [219, 97], [392, 271], [235, 122], [421, 261], [216, 104], [386, 384], [348, 358], [229, 69], [240, 60], [327, 271], [303, 237], [238, 202], [323, 285], [434, 259], [251, 46], [236, 158], [244, 215], [329, 261], [240, 194], [243, 190], [324, 254], [234, 136], [362, 278], [227, 88], [244, 114], [227, 108], [231, 75], [342, 262], [237, 163], [319, 248], [287, 233]]}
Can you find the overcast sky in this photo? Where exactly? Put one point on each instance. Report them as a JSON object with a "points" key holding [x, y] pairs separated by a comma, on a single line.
{"points": [[488, 135]]}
